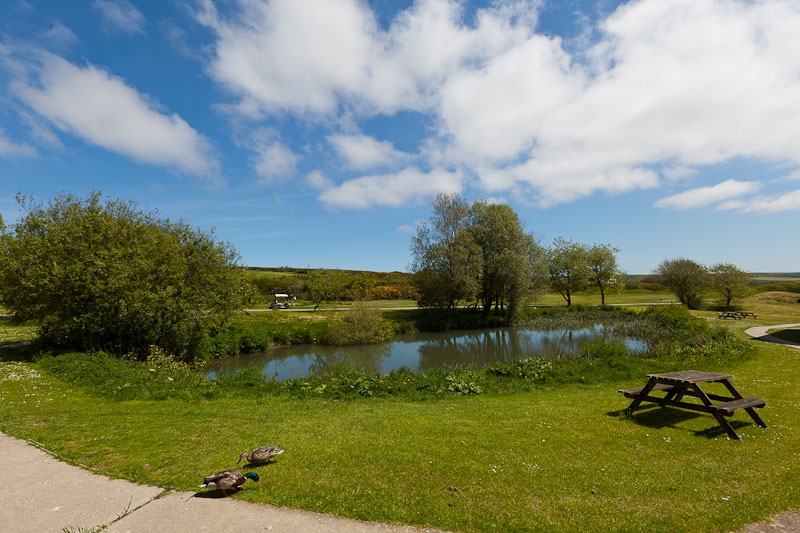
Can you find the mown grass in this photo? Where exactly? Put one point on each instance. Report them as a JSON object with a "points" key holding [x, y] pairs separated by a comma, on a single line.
{"points": [[555, 459]]}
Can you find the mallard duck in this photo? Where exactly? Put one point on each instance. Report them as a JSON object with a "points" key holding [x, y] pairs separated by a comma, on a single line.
{"points": [[260, 455], [227, 479]]}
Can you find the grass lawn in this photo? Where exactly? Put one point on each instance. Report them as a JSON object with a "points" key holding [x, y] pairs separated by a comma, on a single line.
{"points": [[554, 459]]}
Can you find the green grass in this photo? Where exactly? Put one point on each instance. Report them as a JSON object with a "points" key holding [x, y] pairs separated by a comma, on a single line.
{"points": [[11, 333], [554, 458]]}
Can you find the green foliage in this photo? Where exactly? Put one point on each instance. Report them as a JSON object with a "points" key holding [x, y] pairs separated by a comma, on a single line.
{"points": [[730, 282], [528, 368], [259, 336], [512, 263], [569, 273], [323, 285], [108, 276], [686, 278], [446, 259], [360, 325], [604, 272], [109, 376]]}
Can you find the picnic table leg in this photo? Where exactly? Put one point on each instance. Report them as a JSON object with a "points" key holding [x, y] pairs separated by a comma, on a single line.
{"points": [[727, 426], [750, 411], [641, 396], [720, 419]]}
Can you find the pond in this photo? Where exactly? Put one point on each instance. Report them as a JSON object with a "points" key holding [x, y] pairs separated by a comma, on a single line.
{"points": [[424, 351]]}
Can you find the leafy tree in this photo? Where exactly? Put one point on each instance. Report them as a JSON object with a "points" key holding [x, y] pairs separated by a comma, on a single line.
{"points": [[446, 259], [729, 281], [686, 278], [325, 284], [604, 272], [568, 267], [106, 275], [512, 262]]}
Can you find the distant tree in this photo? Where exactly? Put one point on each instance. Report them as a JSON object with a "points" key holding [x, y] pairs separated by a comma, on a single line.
{"points": [[324, 284], [729, 281], [512, 261], [686, 278], [446, 260], [105, 275], [604, 272], [568, 268]]}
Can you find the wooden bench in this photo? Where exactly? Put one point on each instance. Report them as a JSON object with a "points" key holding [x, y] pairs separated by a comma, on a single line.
{"points": [[747, 314], [728, 408], [732, 315], [631, 393]]}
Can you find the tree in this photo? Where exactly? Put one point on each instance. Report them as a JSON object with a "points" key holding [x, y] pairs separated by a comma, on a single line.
{"points": [[686, 278], [323, 285], [446, 260], [729, 281], [512, 262], [568, 268], [604, 273], [106, 275]]}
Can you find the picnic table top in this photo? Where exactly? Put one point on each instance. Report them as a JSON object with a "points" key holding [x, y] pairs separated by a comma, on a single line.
{"points": [[690, 376]]}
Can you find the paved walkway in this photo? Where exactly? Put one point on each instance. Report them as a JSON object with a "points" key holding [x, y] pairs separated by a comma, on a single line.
{"points": [[760, 333], [45, 494]]}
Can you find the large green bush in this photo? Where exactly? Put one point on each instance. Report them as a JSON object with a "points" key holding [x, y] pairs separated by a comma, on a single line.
{"points": [[105, 275]]}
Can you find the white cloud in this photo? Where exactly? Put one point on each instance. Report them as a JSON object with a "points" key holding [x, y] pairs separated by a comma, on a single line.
{"points": [[104, 110], [793, 176], [362, 152], [669, 84], [59, 35], [276, 161], [10, 149], [705, 196], [393, 190], [405, 228], [319, 181], [772, 204], [120, 14]]}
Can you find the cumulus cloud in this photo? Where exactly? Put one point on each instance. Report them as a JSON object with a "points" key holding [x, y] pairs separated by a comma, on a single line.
{"points": [[674, 85], [102, 109], [276, 161], [121, 15], [705, 196], [393, 190], [362, 152]]}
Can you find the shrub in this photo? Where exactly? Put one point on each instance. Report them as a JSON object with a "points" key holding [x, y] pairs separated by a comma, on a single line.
{"points": [[360, 325], [106, 276]]}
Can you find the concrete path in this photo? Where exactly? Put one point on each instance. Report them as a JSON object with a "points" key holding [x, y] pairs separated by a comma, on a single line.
{"points": [[48, 495], [760, 333]]}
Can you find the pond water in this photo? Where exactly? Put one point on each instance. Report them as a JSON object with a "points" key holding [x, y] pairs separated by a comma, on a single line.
{"points": [[424, 351]]}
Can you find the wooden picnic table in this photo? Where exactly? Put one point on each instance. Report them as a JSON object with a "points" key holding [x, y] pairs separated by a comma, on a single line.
{"points": [[676, 385], [737, 315]]}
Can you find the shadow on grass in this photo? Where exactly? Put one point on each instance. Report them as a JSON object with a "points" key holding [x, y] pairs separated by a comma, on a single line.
{"points": [[659, 417], [18, 352]]}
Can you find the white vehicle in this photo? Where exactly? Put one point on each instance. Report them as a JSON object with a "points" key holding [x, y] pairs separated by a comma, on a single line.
{"points": [[278, 304]]}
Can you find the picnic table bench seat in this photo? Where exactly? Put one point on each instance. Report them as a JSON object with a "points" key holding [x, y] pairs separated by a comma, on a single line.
{"points": [[631, 393], [728, 408]]}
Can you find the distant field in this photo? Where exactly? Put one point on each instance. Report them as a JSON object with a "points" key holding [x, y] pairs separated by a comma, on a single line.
{"points": [[777, 278]]}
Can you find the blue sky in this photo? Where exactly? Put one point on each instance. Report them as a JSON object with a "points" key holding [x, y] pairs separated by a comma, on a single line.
{"points": [[316, 132]]}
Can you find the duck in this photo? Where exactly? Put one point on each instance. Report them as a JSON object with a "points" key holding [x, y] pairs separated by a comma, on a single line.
{"points": [[227, 479], [260, 455]]}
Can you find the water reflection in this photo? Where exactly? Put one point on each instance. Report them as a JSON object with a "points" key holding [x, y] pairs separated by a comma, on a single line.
{"points": [[425, 351]]}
